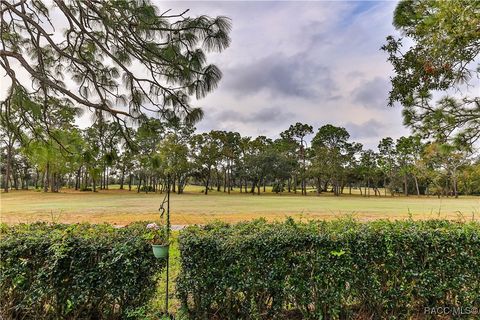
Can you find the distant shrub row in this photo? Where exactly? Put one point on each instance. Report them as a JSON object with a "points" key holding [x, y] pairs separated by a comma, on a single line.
{"points": [[74, 271], [329, 270]]}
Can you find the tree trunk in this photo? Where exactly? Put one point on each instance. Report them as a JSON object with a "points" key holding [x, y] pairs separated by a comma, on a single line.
{"points": [[52, 183], [325, 186], [106, 178], [207, 181], [385, 185], [102, 178], [229, 177], [8, 169], [77, 178], [304, 186], [15, 177], [368, 186], [445, 190], [23, 179], [45, 179], [122, 178], [225, 181], [416, 185], [86, 184], [337, 188], [36, 178], [405, 185], [455, 189]]}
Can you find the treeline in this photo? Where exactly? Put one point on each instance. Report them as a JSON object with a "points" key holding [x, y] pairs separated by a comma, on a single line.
{"points": [[145, 159]]}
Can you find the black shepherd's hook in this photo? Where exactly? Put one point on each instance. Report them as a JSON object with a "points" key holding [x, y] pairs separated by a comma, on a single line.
{"points": [[162, 205], [162, 209], [165, 200]]}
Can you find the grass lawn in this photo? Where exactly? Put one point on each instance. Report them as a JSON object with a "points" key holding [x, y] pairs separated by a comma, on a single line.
{"points": [[122, 207]]}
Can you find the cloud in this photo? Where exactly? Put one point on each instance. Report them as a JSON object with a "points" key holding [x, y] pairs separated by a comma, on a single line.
{"points": [[369, 129], [263, 116], [373, 93], [314, 62], [281, 75]]}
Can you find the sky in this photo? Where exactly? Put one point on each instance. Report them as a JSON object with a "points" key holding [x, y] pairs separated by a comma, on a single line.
{"points": [[314, 62]]}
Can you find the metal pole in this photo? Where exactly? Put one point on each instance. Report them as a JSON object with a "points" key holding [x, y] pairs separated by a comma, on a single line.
{"points": [[168, 239]]}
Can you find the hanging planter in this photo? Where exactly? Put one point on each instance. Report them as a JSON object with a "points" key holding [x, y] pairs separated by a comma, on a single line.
{"points": [[160, 251], [158, 237]]}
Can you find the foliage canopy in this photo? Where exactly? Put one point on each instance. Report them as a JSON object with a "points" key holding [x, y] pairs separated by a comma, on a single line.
{"points": [[123, 58], [443, 57]]}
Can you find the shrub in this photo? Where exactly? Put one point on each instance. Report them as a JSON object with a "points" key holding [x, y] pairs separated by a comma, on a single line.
{"points": [[328, 270], [79, 271], [147, 188], [278, 187]]}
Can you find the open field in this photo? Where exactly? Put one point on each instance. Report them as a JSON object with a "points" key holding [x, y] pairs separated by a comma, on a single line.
{"points": [[122, 207]]}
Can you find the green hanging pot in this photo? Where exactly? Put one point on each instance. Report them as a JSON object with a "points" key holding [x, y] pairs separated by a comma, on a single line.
{"points": [[160, 251]]}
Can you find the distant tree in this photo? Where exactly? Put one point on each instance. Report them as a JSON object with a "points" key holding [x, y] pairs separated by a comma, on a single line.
{"points": [[241, 169], [257, 161], [206, 153], [387, 163], [449, 160], [173, 156], [286, 164], [229, 149], [54, 156], [469, 179], [126, 158], [368, 168], [297, 133], [107, 136], [352, 165], [408, 151], [330, 146], [288, 148], [446, 45], [22, 120], [11, 123], [148, 136], [92, 163]]}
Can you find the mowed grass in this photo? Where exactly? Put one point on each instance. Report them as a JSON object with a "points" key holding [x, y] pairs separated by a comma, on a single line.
{"points": [[122, 207]]}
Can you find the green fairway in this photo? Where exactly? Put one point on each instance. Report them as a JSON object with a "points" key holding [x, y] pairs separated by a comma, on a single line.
{"points": [[193, 207]]}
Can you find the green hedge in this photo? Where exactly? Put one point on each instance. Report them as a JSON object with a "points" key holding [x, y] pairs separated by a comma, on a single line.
{"points": [[328, 270], [77, 271]]}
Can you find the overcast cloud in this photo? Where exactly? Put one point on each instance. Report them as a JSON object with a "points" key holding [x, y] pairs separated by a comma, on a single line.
{"points": [[316, 62]]}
